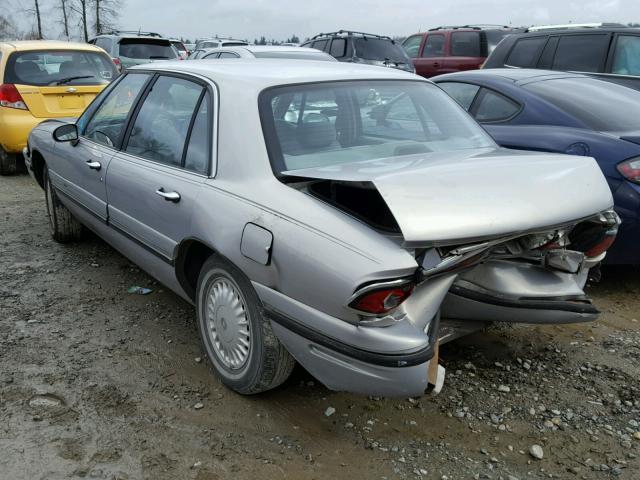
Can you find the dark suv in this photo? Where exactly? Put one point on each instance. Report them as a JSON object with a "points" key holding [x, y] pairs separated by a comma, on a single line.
{"points": [[609, 51], [128, 49], [359, 47], [453, 49]]}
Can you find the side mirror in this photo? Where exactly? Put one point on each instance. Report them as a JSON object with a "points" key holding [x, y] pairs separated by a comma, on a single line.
{"points": [[66, 133]]}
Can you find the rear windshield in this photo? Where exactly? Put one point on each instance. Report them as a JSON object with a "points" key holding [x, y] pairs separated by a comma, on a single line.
{"points": [[602, 106], [146, 49], [66, 67], [317, 125], [297, 55], [379, 49]]}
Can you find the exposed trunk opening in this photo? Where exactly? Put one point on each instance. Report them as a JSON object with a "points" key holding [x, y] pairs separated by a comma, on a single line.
{"points": [[360, 199]]}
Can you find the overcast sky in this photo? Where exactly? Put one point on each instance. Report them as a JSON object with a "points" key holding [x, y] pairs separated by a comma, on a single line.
{"points": [[281, 18]]}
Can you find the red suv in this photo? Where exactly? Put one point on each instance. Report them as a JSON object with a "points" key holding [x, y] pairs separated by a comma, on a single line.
{"points": [[452, 49]]}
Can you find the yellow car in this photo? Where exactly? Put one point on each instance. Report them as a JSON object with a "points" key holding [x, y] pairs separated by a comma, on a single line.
{"points": [[45, 79]]}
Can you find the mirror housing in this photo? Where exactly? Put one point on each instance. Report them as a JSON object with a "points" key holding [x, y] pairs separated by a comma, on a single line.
{"points": [[66, 133]]}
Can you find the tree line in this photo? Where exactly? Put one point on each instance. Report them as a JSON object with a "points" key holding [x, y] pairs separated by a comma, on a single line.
{"points": [[71, 19]]}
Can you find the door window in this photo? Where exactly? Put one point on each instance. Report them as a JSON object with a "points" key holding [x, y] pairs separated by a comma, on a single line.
{"points": [[524, 53], [581, 53], [107, 124], [465, 44], [434, 47], [320, 44], [197, 157], [626, 59], [227, 55], [162, 124], [211, 56], [338, 48], [494, 107], [463, 93], [412, 45]]}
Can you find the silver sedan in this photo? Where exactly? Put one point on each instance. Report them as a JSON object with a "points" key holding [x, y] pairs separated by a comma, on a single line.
{"points": [[345, 216]]}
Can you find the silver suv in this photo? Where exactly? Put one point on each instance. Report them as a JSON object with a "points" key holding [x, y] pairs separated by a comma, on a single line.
{"points": [[128, 49]]}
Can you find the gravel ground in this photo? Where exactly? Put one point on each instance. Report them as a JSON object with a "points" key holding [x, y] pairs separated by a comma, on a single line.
{"points": [[99, 383]]}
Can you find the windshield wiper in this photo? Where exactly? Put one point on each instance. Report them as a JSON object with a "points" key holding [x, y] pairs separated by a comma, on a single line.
{"points": [[158, 57], [62, 81]]}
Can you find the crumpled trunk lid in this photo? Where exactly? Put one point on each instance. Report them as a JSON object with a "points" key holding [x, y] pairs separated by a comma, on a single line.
{"points": [[445, 198]]}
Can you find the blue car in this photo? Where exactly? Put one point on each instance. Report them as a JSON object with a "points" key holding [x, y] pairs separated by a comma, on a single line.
{"points": [[565, 113]]}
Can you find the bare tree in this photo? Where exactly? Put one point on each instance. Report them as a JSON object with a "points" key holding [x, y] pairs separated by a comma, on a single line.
{"points": [[81, 8], [106, 14], [6, 28], [35, 10], [65, 17]]}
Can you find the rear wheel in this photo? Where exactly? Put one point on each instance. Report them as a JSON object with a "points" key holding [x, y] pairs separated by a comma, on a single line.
{"points": [[236, 336], [64, 228], [8, 163]]}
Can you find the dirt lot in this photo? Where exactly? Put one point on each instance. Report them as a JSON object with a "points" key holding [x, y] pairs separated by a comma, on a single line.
{"points": [[99, 383]]}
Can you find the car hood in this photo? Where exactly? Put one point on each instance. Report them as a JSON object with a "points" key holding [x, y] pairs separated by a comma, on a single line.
{"points": [[440, 198]]}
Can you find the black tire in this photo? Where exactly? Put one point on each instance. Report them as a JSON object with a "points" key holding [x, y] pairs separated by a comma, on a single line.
{"points": [[8, 163], [268, 363], [64, 228]]}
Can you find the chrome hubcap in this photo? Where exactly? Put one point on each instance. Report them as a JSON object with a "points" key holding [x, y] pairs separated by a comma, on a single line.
{"points": [[227, 324]]}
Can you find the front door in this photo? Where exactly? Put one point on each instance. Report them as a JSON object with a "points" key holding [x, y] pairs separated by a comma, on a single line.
{"points": [[155, 179], [79, 170], [431, 59]]}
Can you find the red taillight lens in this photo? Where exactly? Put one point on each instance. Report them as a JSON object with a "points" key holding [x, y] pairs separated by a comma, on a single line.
{"points": [[381, 300], [603, 245], [10, 97], [630, 170], [117, 63]]}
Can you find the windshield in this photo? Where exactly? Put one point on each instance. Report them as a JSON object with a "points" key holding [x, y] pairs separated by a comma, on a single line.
{"points": [[317, 125], [147, 49], [602, 106], [66, 67], [379, 49]]}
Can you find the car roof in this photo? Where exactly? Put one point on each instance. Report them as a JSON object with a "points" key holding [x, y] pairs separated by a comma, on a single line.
{"points": [[266, 48], [573, 31], [26, 45], [519, 76], [261, 73]]}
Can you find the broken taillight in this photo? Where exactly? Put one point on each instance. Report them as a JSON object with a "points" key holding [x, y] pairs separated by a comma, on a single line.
{"points": [[378, 299], [594, 237]]}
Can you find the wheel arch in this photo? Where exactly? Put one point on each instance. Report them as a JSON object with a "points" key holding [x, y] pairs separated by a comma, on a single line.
{"points": [[37, 165], [191, 255]]}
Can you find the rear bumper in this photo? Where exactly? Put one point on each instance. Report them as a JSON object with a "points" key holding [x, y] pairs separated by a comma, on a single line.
{"points": [[504, 291], [390, 361]]}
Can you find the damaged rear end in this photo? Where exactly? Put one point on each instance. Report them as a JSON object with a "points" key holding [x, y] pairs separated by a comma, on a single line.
{"points": [[496, 235]]}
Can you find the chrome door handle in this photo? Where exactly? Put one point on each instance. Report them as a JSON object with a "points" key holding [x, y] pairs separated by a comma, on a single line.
{"points": [[169, 196], [94, 165]]}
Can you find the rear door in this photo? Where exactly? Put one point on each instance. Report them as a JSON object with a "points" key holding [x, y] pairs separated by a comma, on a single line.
{"points": [[79, 171], [467, 51], [431, 60], [59, 83], [154, 181]]}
